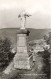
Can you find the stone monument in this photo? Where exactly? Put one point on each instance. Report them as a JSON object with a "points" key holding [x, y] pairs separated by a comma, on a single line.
{"points": [[23, 58]]}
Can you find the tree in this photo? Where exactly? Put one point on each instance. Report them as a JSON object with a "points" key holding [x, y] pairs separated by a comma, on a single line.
{"points": [[48, 38], [5, 47]]}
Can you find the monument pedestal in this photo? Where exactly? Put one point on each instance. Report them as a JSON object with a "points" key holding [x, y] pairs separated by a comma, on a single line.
{"points": [[23, 58]]}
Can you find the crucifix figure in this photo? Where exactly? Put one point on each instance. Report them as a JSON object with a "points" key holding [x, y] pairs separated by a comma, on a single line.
{"points": [[22, 17]]}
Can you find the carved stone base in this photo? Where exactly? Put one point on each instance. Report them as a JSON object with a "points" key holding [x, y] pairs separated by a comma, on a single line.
{"points": [[22, 61], [23, 58]]}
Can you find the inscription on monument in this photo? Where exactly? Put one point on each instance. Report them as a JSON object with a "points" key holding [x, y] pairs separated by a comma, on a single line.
{"points": [[21, 41]]}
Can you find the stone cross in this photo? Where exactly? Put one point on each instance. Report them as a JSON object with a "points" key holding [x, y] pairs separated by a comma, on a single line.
{"points": [[22, 17]]}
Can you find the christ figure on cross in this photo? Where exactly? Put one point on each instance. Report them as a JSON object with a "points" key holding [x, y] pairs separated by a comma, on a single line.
{"points": [[23, 16]]}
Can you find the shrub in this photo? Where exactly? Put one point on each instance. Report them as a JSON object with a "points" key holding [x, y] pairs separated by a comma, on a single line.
{"points": [[5, 47]]}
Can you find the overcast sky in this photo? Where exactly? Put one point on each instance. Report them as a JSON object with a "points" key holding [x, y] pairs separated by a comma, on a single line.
{"points": [[39, 9]]}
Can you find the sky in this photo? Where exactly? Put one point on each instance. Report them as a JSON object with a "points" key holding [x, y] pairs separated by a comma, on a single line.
{"points": [[39, 9]]}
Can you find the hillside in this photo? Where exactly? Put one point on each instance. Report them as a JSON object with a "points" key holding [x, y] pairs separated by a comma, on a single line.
{"points": [[34, 34]]}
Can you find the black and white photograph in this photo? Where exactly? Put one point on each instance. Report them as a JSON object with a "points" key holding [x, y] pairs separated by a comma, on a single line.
{"points": [[25, 39]]}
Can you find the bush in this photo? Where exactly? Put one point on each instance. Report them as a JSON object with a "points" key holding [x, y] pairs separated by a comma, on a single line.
{"points": [[46, 60], [5, 47]]}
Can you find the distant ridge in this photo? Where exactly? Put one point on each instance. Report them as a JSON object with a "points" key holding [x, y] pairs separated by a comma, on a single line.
{"points": [[11, 33]]}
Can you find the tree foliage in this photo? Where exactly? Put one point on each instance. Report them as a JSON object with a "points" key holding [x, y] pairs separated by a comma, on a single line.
{"points": [[46, 56], [5, 47]]}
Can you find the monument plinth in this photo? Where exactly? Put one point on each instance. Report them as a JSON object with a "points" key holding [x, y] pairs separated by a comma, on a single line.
{"points": [[23, 58]]}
